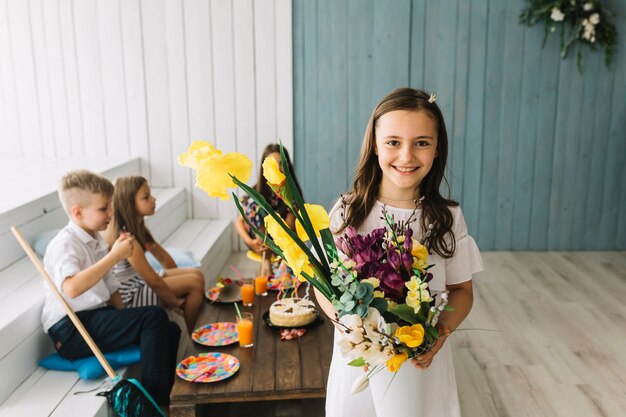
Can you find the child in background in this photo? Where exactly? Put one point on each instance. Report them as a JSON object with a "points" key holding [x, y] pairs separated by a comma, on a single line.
{"points": [[79, 261], [401, 166], [256, 214], [140, 285]]}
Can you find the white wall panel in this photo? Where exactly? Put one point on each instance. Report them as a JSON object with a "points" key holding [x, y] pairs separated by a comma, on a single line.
{"points": [[25, 80], [42, 81], [90, 76], [60, 136], [113, 83], [146, 78]]}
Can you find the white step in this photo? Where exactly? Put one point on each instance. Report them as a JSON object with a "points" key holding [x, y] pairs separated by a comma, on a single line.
{"points": [[52, 393]]}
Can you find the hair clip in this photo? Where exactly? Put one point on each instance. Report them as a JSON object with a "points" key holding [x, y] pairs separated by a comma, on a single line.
{"points": [[432, 98]]}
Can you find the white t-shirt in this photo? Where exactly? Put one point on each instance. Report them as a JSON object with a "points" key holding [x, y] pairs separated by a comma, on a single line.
{"points": [[71, 251], [431, 393]]}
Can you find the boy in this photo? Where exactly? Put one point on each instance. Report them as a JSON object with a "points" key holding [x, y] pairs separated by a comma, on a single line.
{"points": [[79, 261]]}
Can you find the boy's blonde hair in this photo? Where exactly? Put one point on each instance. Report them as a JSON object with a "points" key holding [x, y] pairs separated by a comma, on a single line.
{"points": [[77, 188]]}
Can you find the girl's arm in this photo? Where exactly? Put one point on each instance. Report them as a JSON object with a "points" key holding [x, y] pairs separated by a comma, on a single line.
{"points": [[161, 255], [142, 267], [326, 307], [461, 297], [256, 245]]}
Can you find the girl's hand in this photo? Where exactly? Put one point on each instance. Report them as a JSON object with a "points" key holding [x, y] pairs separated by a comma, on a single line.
{"points": [[257, 245], [123, 247], [178, 307], [424, 360]]}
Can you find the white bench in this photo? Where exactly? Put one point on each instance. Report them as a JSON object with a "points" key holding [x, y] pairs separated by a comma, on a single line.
{"points": [[25, 388]]}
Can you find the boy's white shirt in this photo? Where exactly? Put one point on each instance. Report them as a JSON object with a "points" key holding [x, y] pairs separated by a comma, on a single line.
{"points": [[71, 251]]}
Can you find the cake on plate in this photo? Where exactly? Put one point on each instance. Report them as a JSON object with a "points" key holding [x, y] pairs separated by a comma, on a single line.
{"points": [[290, 312]]}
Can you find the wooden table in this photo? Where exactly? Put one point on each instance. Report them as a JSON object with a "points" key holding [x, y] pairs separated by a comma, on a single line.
{"points": [[271, 370]]}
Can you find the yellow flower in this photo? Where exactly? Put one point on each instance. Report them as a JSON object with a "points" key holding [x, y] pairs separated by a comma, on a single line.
{"points": [[419, 251], [295, 257], [197, 153], [394, 363], [214, 168], [372, 280], [319, 219], [272, 172], [412, 336]]}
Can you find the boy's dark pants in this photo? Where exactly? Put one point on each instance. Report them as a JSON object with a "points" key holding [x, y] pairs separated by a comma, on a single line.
{"points": [[114, 329]]}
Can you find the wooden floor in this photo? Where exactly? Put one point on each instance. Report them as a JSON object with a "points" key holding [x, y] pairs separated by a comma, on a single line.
{"points": [[553, 339]]}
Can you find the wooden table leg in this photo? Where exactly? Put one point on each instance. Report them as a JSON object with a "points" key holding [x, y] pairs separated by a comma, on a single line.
{"points": [[183, 410]]}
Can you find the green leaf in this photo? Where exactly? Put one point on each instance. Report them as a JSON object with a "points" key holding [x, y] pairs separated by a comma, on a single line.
{"points": [[349, 306], [379, 304], [432, 332], [357, 362], [305, 220], [345, 297], [268, 241], [448, 308], [258, 198], [405, 312], [361, 310], [361, 290]]}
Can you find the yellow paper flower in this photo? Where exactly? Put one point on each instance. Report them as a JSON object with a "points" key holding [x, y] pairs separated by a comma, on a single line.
{"points": [[412, 336], [372, 280], [295, 257], [394, 363], [197, 153], [319, 218], [214, 168], [419, 251], [272, 172]]}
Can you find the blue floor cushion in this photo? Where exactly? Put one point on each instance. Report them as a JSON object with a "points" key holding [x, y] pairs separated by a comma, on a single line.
{"points": [[89, 367]]}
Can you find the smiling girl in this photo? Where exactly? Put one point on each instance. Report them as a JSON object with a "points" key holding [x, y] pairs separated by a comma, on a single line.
{"points": [[401, 167]]}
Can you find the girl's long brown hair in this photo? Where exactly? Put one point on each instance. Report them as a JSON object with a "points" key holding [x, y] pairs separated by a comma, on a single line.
{"points": [[435, 208], [125, 216]]}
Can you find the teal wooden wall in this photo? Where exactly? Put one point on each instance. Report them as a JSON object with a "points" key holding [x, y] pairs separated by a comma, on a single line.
{"points": [[538, 151]]}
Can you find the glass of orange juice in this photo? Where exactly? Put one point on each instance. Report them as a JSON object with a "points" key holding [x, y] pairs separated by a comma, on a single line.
{"points": [[247, 292], [245, 329], [260, 285]]}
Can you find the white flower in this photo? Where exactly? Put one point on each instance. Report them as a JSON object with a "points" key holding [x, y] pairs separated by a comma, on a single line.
{"points": [[572, 2], [345, 345], [588, 6], [594, 19], [360, 384], [355, 324], [557, 15]]}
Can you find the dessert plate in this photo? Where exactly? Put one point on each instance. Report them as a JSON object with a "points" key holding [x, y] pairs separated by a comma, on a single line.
{"points": [[216, 334], [207, 367]]}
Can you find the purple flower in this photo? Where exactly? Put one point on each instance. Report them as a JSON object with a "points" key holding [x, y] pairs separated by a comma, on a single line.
{"points": [[344, 246], [407, 261], [391, 282]]}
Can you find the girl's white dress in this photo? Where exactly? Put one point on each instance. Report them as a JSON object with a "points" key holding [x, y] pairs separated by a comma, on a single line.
{"points": [[433, 390]]}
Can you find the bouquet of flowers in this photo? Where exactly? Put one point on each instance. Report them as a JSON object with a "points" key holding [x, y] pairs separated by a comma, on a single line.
{"points": [[378, 283], [588, 22], [387, 312]]}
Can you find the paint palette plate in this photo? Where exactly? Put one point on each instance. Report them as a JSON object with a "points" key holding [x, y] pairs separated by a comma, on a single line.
{"points": [[207, 367], [216, 334]]}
